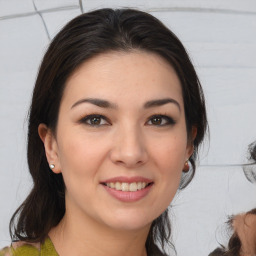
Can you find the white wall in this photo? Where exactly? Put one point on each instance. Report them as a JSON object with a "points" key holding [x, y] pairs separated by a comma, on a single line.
{"points": [[221, 39]]}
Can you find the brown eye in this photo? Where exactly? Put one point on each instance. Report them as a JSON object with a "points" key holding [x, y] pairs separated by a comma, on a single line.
{"points": [[156, 121], [160, 120], [94, 120]]}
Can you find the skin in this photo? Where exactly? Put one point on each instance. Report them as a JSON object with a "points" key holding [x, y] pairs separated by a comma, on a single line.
{"points": [[127, 142], [244, 225]]}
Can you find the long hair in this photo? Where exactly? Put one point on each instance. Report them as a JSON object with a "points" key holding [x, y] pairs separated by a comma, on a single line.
{"points": [[84, 37]]}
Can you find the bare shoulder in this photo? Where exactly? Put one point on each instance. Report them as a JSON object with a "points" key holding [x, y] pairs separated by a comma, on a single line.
{"points": [[244, 225]]}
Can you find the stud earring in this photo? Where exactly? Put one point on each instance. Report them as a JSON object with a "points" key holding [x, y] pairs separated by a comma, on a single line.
{"points": [[52, 166], [186, 167]]}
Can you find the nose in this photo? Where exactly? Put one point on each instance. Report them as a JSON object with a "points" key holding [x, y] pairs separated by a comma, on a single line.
{"points": [[129, 148]]}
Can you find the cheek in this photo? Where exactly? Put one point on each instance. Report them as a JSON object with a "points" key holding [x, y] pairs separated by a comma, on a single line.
{"points": [[170, 153], [169, 158], [81, 155], [80, 164]]}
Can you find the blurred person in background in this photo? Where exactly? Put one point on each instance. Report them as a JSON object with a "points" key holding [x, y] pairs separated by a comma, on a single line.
{"points": [[243, 240]]}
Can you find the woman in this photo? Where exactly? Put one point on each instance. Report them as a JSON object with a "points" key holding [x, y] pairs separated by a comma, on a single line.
{"points": [[117, 115], [243, 240]]}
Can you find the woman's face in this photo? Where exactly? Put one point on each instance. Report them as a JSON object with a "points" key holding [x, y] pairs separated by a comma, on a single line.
{"points": [[121, 139]]}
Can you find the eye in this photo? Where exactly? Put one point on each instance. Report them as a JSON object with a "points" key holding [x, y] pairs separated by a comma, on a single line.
{"points": [[94, 120], [160, 120]]}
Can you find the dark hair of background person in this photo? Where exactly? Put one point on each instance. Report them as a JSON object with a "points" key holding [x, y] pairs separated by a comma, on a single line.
{"points": [[234, 244], [84, 37]]}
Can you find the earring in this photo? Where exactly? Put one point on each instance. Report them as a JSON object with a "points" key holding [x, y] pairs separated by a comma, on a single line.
{"points": [[51, 166], [186, 167]]}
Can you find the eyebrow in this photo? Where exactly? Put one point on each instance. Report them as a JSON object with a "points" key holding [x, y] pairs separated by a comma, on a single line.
{"points": [[98, 102], [161, 102], [106, 104]]}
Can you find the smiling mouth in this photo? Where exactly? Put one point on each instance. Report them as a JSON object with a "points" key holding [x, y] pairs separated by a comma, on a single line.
{"points": [[127, 187]]}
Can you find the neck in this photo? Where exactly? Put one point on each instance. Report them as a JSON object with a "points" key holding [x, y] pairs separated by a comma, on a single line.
{"points": [[87, 237]]}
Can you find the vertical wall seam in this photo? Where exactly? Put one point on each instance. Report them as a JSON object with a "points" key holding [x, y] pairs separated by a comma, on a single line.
{"points": [[81, 6], [42, 18]]}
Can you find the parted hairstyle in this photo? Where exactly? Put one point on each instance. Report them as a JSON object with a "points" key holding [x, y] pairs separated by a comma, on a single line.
{"points": [[84, 37]]}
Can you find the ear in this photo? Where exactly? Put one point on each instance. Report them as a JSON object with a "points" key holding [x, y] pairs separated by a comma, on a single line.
{"points": [[190, 146], [50, 146]]}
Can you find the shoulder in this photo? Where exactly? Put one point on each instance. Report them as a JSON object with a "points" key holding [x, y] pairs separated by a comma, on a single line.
{"points": [[244, 226], [21, 248], [243, 238], [5, 251]]}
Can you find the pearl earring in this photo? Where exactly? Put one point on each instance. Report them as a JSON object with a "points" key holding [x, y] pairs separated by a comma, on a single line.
{"points": [[52, 166]]}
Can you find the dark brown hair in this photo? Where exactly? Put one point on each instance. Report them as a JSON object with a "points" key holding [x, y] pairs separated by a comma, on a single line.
{"points": [[84, 37]]}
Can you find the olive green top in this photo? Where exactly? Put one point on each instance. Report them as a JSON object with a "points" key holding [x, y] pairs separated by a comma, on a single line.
{"points": [[30, 249]]}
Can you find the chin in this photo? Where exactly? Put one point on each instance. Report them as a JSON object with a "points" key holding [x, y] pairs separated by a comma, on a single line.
{"points": [[130, 225], [131, 221]]}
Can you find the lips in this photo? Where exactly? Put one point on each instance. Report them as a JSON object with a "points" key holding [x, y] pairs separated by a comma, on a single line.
{"points": [[128, 189]]}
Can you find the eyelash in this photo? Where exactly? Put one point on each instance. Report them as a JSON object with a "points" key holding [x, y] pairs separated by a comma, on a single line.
{"points": [[168, 120], [85, 120]]}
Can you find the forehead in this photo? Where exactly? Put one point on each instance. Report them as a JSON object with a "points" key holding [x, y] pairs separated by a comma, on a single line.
{"points": [[134, 75]]}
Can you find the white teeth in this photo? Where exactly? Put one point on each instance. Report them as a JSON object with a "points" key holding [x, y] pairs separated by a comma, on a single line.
{"points": [[117, 186], [133, 187], [124, 186]]}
